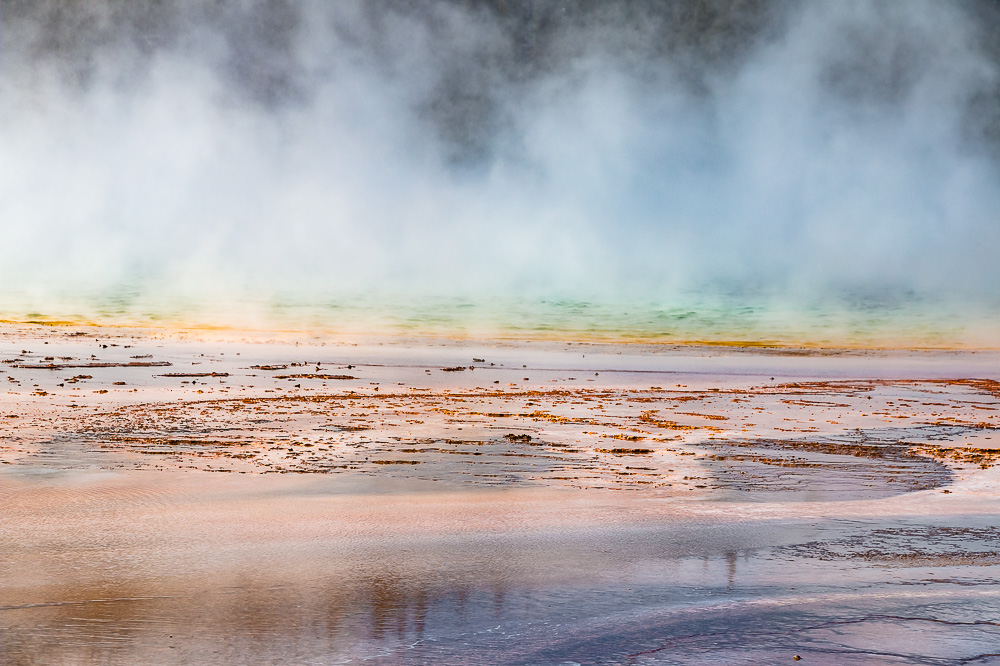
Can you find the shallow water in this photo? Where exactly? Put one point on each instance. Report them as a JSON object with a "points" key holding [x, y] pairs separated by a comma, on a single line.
{"points": [[135, 567]]}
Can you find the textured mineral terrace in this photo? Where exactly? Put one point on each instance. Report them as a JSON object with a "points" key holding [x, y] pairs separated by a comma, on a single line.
{"points": [[579, 416]]}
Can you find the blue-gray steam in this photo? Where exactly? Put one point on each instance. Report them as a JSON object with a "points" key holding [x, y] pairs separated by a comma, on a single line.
{"points": [[611, 151]]}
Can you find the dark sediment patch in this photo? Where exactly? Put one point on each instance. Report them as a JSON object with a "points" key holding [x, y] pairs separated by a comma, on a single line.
{"points": [[64, 366], [314, 375], [195, 374], [909, 544], [854, 466], [625, 452]]}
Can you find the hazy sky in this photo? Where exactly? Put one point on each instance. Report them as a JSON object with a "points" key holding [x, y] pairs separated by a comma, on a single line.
{"points": [[442, 147]]}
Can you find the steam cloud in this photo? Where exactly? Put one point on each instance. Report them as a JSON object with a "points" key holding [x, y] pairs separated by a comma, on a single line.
{"points": [[600, 151]]}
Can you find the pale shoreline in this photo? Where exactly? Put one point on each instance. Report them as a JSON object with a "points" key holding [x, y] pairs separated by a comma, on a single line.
{"points": [[724, 484]]}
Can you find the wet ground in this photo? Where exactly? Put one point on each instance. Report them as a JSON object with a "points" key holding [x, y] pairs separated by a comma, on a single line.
{"points": [[454, 502]]}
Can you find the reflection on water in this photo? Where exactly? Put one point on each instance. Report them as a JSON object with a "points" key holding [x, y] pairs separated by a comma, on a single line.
{"points": [[118, 573], [849, 318], [127, 568]]}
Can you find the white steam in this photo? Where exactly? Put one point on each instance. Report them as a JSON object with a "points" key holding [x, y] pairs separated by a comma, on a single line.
{"points": [[834, 156]]}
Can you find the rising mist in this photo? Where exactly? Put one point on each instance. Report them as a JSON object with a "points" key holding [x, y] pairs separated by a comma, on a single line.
{"points": [[593, 151]]}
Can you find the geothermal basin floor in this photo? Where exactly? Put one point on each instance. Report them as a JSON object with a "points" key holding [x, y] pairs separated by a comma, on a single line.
{"points": [[189, 499]]}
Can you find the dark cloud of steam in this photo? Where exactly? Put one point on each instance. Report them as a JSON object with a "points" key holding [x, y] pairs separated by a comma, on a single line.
{"points": [[586, 149]]}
